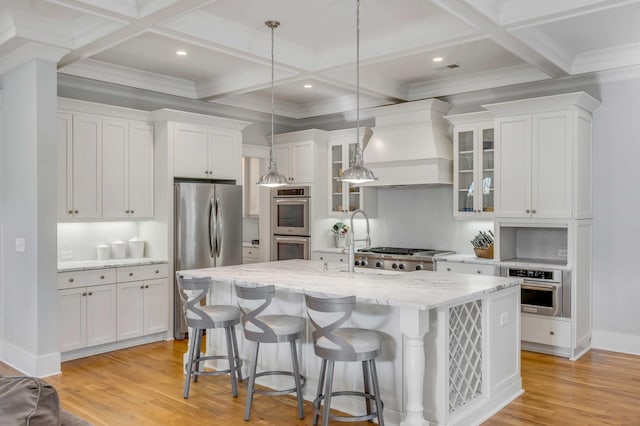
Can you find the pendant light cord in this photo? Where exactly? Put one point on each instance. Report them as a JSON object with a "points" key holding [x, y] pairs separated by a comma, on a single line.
{"points": [[358, 73], [272, 78]]}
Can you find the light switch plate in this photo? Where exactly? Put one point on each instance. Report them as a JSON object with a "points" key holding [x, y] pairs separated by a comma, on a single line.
{"points": [[21, 245]]}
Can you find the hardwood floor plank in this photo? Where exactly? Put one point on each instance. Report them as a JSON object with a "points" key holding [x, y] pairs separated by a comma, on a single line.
{"points": [[143, 386]]}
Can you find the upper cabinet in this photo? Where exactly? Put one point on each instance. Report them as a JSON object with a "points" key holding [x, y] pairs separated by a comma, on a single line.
{"points": [[127, 169], [206, 153], [473, 165], [79, 166], [346, 197], [543, 162], [295, 160]]}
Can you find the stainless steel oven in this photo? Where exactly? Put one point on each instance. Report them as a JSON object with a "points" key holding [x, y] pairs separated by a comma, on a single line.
{"points": [[544, 291], [290, 211], [284, 247]]}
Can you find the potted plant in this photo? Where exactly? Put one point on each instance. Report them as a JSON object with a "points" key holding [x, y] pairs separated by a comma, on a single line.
{"points": [[340, 231]]}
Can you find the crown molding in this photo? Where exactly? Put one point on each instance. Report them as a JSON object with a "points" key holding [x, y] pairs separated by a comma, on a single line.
{"points": [[598, 60], [30, 51]]}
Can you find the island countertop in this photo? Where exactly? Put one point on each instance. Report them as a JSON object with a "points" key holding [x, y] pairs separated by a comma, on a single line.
{"points": [[421, 290]]}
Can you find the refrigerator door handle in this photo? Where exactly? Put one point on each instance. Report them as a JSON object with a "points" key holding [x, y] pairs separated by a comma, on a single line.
{"points": [[218, 228], [212, 228]]}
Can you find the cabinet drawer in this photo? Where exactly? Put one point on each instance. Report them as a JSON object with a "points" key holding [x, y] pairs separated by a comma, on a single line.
{"points": [[546, 331], [142, 272], [330, 257], [466, 268], [86, 278], [251, 252]]}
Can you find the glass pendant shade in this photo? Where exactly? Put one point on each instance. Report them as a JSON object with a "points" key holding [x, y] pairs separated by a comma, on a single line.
{"points": [[358, 173], [272, 179]]}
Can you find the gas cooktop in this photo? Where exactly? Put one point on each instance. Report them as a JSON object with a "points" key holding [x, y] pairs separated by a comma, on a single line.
{"points": [[401, 251], [400, 258]]}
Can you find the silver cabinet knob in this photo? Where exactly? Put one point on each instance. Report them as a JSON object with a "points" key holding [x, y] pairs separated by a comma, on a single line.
{"points": [[141, 287], [533, 211], [146, 286], [448, 269], [70, 280], [157, 271], [479, 271], [528, 211], [84, 294], [130, 274], [102, 277], [90, 293]]}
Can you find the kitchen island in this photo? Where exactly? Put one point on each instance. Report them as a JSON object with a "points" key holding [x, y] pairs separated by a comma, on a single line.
{"points": [[451, 355]]}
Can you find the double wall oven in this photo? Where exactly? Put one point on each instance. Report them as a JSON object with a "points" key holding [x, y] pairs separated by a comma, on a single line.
{"points": [[290, 223]]}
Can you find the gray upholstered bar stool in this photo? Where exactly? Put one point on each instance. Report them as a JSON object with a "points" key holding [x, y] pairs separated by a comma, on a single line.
{"points": [[332, 344], [202, 317], [269, 329]]}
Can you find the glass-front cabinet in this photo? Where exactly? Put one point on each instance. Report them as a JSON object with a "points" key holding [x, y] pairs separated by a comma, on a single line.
{"points": [[345, 197], [473, 165]]}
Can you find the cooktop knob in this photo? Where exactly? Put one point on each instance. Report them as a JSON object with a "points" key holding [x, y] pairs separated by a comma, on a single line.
{"points": [[357, 263], [401, 266], [363, 263], [379, 264], [394, 265], [419, 267]]}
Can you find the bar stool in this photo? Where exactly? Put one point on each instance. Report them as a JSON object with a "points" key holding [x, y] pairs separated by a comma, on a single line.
{"points": [[269, 329], [202, 317], [332, 344]]}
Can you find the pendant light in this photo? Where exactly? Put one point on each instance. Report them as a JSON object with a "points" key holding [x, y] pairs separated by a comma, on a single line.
{"points": [[358, 173], [272, 178]]}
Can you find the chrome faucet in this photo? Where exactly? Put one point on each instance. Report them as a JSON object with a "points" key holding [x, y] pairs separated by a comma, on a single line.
{"points": [[352, 239]]}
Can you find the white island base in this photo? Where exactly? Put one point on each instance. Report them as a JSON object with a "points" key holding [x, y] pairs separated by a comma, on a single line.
{"points": [[452, 350]]}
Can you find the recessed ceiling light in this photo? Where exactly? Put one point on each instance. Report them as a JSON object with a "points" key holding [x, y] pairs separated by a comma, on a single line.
{"points": [[181, 53], [437, 59], [308, 86]]}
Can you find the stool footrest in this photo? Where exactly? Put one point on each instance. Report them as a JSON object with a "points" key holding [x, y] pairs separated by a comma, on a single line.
{"points": [[238, 364], [370, 416], [279, 392]]}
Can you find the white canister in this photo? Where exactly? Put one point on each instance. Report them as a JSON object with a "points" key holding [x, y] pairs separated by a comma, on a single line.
{"points": [[119, 249], [136, 247], [103, 252]]}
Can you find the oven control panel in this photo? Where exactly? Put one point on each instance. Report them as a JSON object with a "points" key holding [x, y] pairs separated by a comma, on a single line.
{"points": [[531, 274]]}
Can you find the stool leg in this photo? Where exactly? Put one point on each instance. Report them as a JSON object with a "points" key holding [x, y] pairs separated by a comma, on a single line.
{"points": [[296, 377], [232, 362], [327, 395], [376, 389], [316, 409], [365, 378], [252, 382], [236, 351], [198, 352], [187, 377]]}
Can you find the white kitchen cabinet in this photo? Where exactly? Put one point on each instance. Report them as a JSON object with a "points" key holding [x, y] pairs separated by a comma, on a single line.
{"points": [[87, 316], [333, 257], [80, 166], [251, 172], [250, 254], [543, 161], [295, 161], [127, 164], [467, 268], [346, 197], [473, 165], [206, 153], [143, 308]]}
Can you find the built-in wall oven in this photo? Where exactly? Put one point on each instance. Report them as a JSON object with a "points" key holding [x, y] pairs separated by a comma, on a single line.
{"points": [[290, 223], [543, 291]]}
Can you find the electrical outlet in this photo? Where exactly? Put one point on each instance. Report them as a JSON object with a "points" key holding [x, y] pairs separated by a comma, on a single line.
{"points": [[504, 319], [562, 253], [66, 254]]}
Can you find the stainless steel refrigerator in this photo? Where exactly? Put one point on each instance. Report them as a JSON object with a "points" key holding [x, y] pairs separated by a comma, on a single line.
{"points": [[208, 232]]}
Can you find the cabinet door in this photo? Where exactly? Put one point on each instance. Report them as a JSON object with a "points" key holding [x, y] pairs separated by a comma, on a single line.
{"points": [[224, 155], [464, 170], [513, 170], [486, 169], [336, 186], [283, 157], [72, 318], [130, 309], [252, 171], [115, 138], [87, 166], [65, 166], [551, 165], [101, 314], [156, 306], [190, 151], [302, 162], [140, 170]]}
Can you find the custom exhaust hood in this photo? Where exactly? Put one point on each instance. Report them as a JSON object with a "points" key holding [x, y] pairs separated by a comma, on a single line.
{"points": [[410, 144]]}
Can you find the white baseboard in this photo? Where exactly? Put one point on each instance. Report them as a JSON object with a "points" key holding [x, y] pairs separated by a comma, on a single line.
{"points": [[616, 342], [28, 363]]}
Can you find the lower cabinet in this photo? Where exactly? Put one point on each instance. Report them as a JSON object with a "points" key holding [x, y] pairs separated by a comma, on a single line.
{"points": [[467, 268], [250, 254], [87, 316], [142, 308], [101, 306], [330, 256]]}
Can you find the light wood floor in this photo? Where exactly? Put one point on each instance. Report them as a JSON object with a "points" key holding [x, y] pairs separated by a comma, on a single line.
{"points": [[143, 386]]}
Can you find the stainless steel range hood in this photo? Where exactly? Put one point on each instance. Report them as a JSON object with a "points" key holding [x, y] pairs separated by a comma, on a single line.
{"points": [[410, 144]]}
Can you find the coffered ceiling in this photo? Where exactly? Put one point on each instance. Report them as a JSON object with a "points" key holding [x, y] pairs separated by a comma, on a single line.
{"points": [[483, 44]]}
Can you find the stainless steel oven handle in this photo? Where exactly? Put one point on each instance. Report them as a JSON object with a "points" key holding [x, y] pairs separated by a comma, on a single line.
{"points": [[536, 286], [291, 200]]}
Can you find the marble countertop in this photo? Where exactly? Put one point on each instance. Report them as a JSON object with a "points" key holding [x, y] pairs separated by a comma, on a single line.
{"points": [[513, 263], [80, 265], [418, 290]]}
